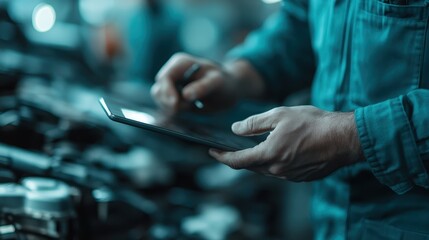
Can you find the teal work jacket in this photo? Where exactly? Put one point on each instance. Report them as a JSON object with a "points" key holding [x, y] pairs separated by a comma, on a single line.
{"points": [[370, 57]]}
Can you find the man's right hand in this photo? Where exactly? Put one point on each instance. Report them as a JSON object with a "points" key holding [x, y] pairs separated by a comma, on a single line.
{"points": [[212, 84]]}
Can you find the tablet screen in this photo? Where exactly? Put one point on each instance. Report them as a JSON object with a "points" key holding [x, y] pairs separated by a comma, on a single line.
{"points": [[183, 127]]}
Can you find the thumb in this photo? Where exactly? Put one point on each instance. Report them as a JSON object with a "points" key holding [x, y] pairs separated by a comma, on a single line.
{"points": [[255, 125]]}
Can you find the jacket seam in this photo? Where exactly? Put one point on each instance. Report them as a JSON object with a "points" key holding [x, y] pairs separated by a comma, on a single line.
{"points": [[423, 55]]}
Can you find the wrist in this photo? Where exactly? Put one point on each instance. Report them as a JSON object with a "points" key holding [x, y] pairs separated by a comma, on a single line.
{"points": [[346, 138], [353, 138]]}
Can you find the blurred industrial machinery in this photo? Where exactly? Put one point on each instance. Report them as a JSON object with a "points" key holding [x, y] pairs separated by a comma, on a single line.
{"points": [[67, 172]]}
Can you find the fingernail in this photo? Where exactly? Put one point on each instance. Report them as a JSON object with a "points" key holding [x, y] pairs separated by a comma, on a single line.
{"points": [[236, 126]]}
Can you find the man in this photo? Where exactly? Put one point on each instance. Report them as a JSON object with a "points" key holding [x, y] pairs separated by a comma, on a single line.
{"points": [[366, 140]]}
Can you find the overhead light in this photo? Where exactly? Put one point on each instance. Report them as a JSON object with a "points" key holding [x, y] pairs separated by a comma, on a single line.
{"points": [[44, 17], [271, 1]]}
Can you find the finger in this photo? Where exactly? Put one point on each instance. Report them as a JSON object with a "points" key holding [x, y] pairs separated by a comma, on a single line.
{"points": [[248, 158], [175, 68], [256, 124], [164, 91], [165, 96], [203, 87]]}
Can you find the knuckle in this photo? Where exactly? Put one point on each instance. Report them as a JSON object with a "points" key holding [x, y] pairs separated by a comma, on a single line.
{"points": [[215, 74], [199, 86], [250, 123], [196, 89], [270, 154], [308, 108], [279, 110]]}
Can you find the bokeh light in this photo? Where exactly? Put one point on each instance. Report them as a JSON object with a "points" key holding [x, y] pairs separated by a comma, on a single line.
{"points": [[44, 17], [271, 1]]}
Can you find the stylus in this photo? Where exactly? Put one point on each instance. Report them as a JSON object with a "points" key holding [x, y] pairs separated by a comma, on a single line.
{"points": [[187, 78]]}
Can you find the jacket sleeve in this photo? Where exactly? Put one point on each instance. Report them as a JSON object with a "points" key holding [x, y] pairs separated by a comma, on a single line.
{"points": [[281, 50], [394, 136]]}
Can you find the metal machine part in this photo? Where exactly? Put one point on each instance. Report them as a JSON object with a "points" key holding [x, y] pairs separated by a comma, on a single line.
{"points": [[37, 208]]}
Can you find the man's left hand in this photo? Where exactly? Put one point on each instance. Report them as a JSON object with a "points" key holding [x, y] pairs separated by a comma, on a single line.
{"points": [[304, 143]]}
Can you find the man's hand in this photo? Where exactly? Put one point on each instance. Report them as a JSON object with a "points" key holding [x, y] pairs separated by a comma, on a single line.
{"points": [[215, 85], [208, 84], [304, 144]]}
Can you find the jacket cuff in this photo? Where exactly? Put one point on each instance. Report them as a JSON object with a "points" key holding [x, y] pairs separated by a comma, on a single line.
{"points": [[389, 145]]}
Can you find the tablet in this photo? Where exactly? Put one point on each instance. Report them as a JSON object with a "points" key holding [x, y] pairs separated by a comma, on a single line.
{"points": [[184, 128]]}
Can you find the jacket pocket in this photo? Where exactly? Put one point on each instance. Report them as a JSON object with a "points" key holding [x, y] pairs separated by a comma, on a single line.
{"points": [[373, 230], [388, 49]]}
